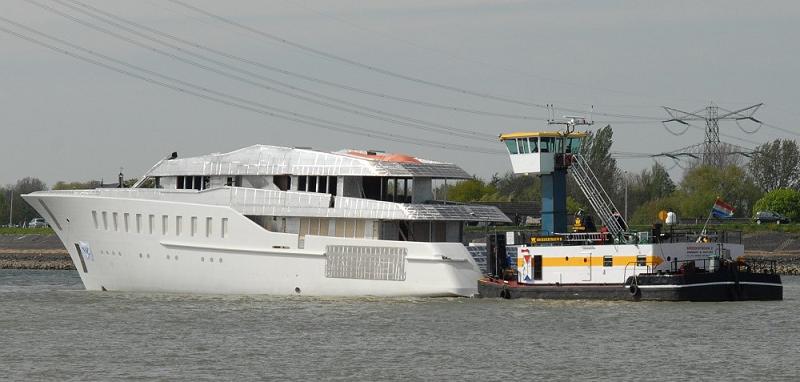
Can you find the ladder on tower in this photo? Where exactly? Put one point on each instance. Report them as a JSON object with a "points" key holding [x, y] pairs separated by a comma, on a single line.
{"points": [[598, 198]]}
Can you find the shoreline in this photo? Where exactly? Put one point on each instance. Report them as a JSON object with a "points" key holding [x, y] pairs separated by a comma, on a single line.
{"points": [[58, 259]]}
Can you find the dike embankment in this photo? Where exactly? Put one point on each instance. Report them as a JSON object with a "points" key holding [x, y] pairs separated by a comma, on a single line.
{"points": [[47, 252], [33, 252]]}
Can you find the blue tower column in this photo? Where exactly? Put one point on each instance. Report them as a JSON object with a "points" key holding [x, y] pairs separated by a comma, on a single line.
{"points": [[554, 202]]}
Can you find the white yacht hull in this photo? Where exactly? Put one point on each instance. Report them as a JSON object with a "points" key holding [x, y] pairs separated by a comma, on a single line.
{"points": [[121, 244]]}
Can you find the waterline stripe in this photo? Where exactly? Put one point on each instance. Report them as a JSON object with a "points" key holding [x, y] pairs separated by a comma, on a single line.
{"points": [[672, 286]]}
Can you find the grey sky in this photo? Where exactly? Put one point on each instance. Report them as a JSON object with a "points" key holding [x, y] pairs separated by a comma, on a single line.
{"points": [[64, 119]]}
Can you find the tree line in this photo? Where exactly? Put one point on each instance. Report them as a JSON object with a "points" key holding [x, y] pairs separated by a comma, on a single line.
{"points": [[13, 207], [769, 180]]}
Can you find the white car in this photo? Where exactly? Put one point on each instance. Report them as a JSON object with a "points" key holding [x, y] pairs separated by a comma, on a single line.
{"points": [[38, 223]]}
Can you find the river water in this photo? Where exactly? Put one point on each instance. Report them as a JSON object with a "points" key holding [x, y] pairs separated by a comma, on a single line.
{"points": [[51, 329]]}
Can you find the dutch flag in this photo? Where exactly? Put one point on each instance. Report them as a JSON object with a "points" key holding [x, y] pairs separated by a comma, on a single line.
{"points": [[722, 209]]}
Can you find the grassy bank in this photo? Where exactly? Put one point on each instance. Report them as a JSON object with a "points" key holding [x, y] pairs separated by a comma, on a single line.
{"points": [[26, 231], [744, 227]]}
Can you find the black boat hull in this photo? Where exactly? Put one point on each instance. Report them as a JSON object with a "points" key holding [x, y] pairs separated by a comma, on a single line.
{"points": [[700, 286]]}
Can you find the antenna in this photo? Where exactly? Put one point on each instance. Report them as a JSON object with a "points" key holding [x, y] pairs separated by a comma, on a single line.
{"points": [[570, 121], [711, 115]]}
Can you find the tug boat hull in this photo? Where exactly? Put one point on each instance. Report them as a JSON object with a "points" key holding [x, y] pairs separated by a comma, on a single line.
{"points": [[701, 286], [723, 285]]}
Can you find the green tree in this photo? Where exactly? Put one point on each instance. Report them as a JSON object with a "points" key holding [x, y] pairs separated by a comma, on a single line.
{"points": [[23, 212], [596, 149], [89, 185], [703, 184], [4, 194], [784, 201], [647, 213], [469, 190], [514, 188], [776, 165], [650, 184]]}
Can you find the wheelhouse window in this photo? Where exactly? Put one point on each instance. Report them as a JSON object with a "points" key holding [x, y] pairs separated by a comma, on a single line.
{"points": [[522, 146], [512, 146], [573, 145], [547, 144]]}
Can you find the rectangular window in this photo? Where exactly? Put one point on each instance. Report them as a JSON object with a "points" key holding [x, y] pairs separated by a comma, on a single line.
{"points": [[229, 181], [302, 181], [151, 222], [209, 222], [138, 223], [224, 230], [94, 219], [512, 146], [359, 231], [324, 224], [178, 221], [534, 145], [523, 145], [641, 260], [283, 182], [608, 261], [332, 185], [303, 227], [194, 225], [105, 220], [547, 145], [114, 220], [125, 218], [338, 228], [312, 184], [313, 226], [323, 184], [164, 224], [349, 228]]}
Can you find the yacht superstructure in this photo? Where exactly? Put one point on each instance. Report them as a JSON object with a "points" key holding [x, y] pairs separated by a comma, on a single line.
{"points": [[274, 220]]}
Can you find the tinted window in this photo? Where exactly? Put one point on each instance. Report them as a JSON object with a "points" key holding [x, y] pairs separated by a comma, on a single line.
{"points": [[512, 146], [522, 143], [547, 145]]}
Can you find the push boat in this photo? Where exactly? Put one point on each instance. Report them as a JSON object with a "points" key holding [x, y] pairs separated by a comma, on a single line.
{"points": [[660, 267], [663, 264]]}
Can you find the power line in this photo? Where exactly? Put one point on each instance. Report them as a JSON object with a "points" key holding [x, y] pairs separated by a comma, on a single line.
{"points": [[416, 123], [298, 75], [474, 135], [382, 71], [224, 98]]}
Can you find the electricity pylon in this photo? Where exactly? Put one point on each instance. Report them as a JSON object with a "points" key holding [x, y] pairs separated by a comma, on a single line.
{"points": [[712, 114]]}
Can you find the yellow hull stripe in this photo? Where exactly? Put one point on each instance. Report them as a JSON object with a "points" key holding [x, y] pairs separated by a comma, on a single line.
{"points": [[595, 261]]}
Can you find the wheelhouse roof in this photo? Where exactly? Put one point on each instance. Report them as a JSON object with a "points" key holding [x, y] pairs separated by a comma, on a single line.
{"points": [[545, 134], [276, 160]]}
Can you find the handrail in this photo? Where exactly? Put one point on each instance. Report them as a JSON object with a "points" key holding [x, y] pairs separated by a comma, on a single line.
{"points": [[648, 269]]}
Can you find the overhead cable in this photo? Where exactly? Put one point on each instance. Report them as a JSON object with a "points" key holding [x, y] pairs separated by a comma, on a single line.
{"points": [[223, 98], [415, 123]]}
